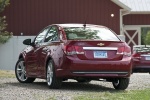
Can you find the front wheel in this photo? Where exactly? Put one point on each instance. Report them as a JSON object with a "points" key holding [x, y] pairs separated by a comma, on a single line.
{"points": [[20, 72], [51, 79], [121, 84]]}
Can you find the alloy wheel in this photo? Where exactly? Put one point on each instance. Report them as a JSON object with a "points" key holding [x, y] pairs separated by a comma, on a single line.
{"points": [[21, 72], [49, 74]]}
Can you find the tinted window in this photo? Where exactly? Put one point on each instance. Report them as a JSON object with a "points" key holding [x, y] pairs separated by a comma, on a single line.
{"points": [[52, 35], [41, 36], [141, 48], [90, 33]]}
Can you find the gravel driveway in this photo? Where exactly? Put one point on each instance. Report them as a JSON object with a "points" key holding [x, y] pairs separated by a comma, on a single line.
{"points": [[11, 89]]}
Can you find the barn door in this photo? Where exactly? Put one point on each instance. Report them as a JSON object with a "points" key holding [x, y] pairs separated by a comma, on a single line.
{"points": [[132, 35]]}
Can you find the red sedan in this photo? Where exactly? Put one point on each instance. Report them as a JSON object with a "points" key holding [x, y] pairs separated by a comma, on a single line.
{"points": [[141, 59], [75, 51]]}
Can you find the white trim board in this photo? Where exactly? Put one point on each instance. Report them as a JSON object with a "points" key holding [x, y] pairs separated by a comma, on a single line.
{"points": [[133, 26]]}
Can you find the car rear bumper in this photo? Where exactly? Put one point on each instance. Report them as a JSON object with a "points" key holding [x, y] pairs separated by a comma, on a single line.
{"points": [[91, 68], [141, 68], [141, 65]]}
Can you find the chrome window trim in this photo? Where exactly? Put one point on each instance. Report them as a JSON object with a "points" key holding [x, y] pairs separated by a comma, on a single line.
{"points": [[100, 48]]}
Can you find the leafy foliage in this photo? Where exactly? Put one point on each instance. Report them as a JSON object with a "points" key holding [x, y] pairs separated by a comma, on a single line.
{"points": [[80, 33], [144, 31], [4, 35], [147, 38]]}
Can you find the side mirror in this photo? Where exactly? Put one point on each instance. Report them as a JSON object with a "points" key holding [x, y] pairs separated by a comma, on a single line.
{"points": [[27, 42]]}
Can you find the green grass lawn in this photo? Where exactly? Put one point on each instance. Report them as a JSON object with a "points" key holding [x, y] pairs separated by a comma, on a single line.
{"points": [[7, 74], [120, 95]]}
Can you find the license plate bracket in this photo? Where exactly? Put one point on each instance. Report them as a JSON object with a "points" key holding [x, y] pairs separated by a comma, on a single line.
{"points": [[147, 58], [100, 54]]}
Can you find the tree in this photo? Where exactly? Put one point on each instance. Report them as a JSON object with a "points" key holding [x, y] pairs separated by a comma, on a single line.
{"points": [[147, 38], [144, 31], [4, 35]]}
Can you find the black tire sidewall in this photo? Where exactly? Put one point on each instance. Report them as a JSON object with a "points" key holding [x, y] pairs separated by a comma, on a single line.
{"points": [[28, 80], [123, 84], [21, 59], [50, 61], [56, 82]]}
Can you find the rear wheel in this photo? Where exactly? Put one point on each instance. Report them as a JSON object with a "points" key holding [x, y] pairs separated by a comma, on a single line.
{"points": [[52, 80], [121, 84], [20, 72]]}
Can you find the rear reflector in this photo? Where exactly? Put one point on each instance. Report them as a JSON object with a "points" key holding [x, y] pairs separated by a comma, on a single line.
{"points": [[71, 50]]}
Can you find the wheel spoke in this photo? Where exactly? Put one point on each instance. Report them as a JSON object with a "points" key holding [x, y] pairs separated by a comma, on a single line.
{"points": [[19, 70], [49, 74], [22, 76]]}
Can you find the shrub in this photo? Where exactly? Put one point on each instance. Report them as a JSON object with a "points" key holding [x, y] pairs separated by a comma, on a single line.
{"points": [[147, 38], [4, 35]]}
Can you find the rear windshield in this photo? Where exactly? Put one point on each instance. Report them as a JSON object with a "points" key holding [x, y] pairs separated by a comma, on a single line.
{"points": [[88, 33], [141, 48]]}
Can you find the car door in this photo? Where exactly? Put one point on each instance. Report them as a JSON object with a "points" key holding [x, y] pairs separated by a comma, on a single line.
{"points": [[49, 48], [32, 56]]}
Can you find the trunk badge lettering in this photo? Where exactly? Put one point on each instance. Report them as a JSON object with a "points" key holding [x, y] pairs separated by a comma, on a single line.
{"points": [[100, 44]]}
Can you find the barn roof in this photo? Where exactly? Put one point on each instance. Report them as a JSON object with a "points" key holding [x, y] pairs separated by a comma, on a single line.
{"points": [[121, 4], [138, 6]]}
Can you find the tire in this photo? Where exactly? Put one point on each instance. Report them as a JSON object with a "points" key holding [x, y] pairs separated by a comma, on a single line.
{"points": [[83, 80], [52, 81], [20, 72], [121, 84]]}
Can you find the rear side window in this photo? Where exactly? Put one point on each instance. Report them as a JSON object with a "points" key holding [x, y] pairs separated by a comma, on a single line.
{"points": [[52, 35], [90, 33], [141, 48]]}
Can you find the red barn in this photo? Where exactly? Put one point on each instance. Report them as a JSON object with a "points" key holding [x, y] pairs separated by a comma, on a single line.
{"points": [[136, 24], [30, 16], [26, 18]]}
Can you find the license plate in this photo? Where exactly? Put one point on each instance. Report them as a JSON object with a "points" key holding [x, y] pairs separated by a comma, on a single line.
{"points": [[147, 58], [100, 54]]}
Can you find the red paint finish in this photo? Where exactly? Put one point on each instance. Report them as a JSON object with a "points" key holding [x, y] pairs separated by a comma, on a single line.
{"points": [[141, 62], [73, 51], [29, 16], [136, 19], [72, 58]]}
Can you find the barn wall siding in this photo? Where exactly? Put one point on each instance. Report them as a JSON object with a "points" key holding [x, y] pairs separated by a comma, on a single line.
{"points": [[30, 16], [136, 19], [10, 52]]}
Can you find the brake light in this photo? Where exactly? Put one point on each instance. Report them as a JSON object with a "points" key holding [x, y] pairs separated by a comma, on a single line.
{"points": [[124, 51], [120, 50], [71, 50], [127, 51], [136, 55]]}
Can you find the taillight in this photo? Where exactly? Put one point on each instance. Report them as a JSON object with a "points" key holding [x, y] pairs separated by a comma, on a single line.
{"points": [[127, 51], [79, 50], [71, 50], [120, 50], [124, 51], [136, 55]]}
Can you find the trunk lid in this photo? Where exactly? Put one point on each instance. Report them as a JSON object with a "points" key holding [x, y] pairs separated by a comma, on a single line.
{"points": [[97, 50]]}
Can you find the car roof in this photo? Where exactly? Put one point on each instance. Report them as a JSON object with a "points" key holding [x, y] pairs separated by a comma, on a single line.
{"points": [[79, 25]]}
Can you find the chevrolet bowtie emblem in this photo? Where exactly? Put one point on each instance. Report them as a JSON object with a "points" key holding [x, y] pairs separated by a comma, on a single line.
{"points": [[100, 44]]}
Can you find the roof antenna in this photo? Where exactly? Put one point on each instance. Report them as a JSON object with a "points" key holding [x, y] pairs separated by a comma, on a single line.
{"points": [[84, 25]]}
